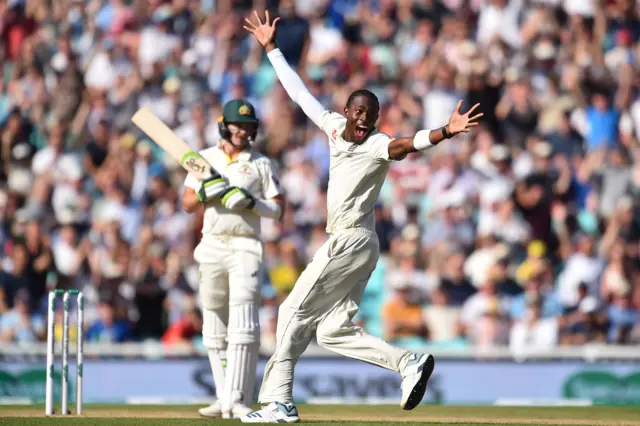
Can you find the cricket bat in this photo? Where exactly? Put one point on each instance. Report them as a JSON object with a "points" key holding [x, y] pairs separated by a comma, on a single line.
{"points": [[162, 135]]}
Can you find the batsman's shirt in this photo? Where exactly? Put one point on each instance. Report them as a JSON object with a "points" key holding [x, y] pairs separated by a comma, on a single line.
{"points": [[251, 171], [356, 175]]}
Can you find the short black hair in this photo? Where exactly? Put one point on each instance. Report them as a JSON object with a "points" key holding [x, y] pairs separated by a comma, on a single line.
{"points": [[367, 94]]}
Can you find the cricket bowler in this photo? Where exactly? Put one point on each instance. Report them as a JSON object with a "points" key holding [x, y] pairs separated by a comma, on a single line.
{"points": [[325, 298], [243, 187]]}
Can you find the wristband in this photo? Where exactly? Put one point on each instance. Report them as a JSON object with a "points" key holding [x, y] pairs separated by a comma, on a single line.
{"points": [[421, 140], [445, 133]]}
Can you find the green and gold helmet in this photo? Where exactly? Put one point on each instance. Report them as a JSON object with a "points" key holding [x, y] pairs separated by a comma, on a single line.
{"points": [[237, 111]]}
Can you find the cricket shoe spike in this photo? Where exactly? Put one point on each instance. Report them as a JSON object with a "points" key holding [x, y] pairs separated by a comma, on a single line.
{"points": [[213, 411], [414, 379], [275, 412]]}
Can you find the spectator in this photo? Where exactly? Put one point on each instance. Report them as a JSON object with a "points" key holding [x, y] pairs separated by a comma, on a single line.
{"points": [[450, 223], [518, 110], [402, 316], [501, 218], [40, 259], [186, 329], [565, 139], [623, 317], [534, 333], [284, 274], [603, 122], [491, 329], [18, 324], [537, 286], [443, 321], [454, 284], [293, 34], [150, 296], [407, 274], [15, 279], [486, 300], [582, 267], [108, 328], [584, 322], [615, 180]]}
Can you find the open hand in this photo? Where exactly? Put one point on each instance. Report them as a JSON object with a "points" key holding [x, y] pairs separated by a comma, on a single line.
{"points": [[264, 32], [462, 123]]}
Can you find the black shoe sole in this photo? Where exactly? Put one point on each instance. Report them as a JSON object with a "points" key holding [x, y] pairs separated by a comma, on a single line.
{"points": [[418, 391]]}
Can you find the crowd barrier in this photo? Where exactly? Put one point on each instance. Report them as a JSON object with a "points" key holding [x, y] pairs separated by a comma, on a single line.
{"points": [[151, 373]]}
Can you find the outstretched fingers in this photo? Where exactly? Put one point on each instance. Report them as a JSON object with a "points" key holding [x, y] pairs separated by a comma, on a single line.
{"points": [[255, 12], [267, 18], [475, 117], [473, 108], [250, 26]]}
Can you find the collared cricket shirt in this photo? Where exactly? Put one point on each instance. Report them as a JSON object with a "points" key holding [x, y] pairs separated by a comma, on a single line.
{"points": [[356, 175], [251, 171]]}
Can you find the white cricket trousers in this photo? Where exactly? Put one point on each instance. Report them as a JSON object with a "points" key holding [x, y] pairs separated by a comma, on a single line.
{"points": [[230, 270], [324, 300]]}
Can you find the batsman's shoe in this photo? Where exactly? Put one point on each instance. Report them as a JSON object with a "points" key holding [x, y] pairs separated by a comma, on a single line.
{"points": [[275, 412], [213, 411], [238, 411], [414, 379]]}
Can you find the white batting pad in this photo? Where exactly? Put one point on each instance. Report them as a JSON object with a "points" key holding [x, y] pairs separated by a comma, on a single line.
{"points": [[218, 361], [214, 329], [214, 338], [242, 354]]}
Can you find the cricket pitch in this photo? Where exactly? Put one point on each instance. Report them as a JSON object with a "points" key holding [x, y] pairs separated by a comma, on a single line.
{"points": [[358, 415]]}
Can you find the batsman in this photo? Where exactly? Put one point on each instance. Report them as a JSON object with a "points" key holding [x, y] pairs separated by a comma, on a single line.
{"points": [[243, 188]]}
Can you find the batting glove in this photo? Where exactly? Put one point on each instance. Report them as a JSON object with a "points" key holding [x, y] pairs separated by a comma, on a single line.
{"points": [[212, 187], [235, 199]]}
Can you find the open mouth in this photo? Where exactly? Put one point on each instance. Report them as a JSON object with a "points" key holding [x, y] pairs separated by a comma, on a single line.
{"points": [[361, 131]]}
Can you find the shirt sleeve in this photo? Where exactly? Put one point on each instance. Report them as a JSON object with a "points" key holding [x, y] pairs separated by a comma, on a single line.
{"points": [[380, 146], [270, 181], [192, 182], [330, 121], [295, 87]]}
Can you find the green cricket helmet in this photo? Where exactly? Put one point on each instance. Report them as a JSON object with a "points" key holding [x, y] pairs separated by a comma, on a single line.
{"points": [[237, 111]]}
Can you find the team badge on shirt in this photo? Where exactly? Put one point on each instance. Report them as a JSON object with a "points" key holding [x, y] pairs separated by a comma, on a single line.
{"points": [[245, 170]]}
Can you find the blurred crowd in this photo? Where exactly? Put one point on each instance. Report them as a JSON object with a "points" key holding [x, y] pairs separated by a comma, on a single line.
{"points": [[523, 233]]}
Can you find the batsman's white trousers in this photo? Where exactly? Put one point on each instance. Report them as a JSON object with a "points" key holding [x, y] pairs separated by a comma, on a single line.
{"points": [[324, 301], [230, 269]]}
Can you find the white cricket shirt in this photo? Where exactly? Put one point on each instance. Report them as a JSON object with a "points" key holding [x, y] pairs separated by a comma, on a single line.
{"points": [[356, 175], [356, 172], [251, 171]]}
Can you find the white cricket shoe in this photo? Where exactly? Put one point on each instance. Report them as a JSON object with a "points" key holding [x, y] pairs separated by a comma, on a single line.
{"points": [[414, 380], [213, 411], [275, 412]]}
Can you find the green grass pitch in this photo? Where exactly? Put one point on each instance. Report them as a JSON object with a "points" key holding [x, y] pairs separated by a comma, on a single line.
{"points": [[353, 415]]}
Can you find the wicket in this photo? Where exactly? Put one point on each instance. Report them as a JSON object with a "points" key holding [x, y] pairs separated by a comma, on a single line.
{"points": [[51, 322]]}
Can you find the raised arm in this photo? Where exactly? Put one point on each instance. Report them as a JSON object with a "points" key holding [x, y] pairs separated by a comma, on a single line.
{"points": [[265, 34], [425, 139]]}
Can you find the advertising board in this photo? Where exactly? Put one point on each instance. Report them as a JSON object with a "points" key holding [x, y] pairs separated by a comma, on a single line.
{"points": [[317, 379]]}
